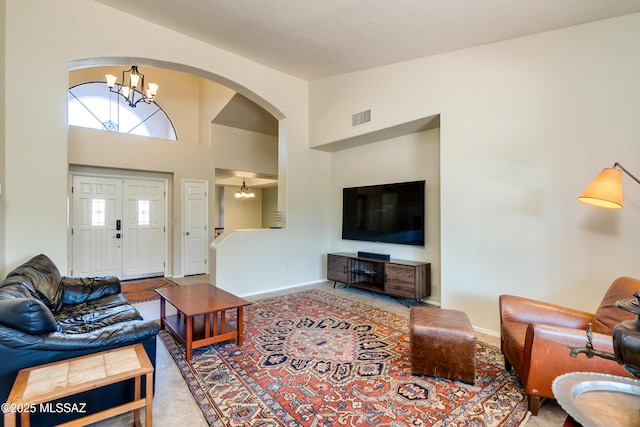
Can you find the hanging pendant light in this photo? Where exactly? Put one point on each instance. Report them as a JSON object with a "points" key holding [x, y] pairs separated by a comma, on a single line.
{"points": [[244, 192]]}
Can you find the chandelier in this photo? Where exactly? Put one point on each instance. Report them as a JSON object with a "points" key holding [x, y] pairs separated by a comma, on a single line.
{"points": [[244, 192], [128, 89]]}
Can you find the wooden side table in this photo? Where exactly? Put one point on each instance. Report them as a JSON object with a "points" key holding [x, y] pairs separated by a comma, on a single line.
{"points": [[35, 387]]}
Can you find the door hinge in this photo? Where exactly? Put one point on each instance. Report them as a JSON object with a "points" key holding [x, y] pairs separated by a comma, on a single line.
{"points": [[72, 231], [205, 261]]}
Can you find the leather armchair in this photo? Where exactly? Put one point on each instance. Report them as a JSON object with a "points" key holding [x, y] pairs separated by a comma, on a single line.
{"points": [[534, 336]]}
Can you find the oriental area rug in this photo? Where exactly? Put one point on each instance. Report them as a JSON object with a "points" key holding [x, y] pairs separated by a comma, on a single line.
{"points": [[143, 290], [315, 359]]}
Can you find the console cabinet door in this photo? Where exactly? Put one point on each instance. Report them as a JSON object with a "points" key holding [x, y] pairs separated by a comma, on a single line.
{"points": [[401, 281], [337, 268]]}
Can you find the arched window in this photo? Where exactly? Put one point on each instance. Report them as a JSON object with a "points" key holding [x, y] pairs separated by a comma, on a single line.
{"points": [[93, 105]]}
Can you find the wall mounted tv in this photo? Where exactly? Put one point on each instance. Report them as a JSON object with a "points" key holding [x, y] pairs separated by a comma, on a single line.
{"points": [[388, 213]]}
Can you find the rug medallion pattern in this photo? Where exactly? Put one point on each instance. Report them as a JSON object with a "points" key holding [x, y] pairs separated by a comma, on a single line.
{"points": [[314, 359]]}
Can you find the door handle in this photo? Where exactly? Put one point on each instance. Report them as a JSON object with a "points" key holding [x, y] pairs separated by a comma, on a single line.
{"points": [[187, 233], [118, 225]]}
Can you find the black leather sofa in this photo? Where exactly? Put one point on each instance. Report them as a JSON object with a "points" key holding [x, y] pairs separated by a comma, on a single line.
{"points": [[45, 317]]}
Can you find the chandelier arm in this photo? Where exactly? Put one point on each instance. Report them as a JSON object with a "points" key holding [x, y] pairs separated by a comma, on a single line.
{"points": [[618, 165]]}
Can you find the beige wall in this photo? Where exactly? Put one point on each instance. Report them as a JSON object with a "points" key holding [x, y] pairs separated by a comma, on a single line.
{"points": [[242, 214], [269, 207], [37, 151], [238, 149], [525, 125], [238, 214]]}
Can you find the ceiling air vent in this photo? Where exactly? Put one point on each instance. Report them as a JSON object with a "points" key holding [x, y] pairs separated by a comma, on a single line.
{"points": [[361, 118]]}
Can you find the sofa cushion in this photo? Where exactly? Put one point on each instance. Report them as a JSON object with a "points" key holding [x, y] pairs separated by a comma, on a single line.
{"points": [[41, 273], [27, 315], [96, 314]]}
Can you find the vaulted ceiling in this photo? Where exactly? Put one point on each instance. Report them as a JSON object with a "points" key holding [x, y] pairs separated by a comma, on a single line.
{"points": [[315, 39]]}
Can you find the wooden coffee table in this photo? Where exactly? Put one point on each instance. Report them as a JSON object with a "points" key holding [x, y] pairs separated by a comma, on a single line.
{"points": [[201, 318]]}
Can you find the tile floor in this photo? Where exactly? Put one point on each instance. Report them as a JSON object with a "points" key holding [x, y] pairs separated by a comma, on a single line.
{"points": [[174, 405]]}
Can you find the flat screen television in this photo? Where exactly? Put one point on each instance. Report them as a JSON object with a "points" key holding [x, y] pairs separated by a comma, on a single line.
{"points": [[388, 213]]}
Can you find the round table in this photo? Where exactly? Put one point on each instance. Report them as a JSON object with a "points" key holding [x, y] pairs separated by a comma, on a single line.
{"points": [[594, 399]]}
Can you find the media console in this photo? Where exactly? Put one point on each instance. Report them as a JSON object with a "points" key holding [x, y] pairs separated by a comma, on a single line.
{"points": [[395, 277]]}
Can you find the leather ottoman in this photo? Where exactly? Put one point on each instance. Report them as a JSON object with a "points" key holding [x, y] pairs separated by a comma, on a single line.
{"points": [[443, 344]]}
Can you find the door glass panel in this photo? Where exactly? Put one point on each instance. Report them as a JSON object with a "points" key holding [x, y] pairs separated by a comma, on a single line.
{"points": [[144, 207], [98, 207]]}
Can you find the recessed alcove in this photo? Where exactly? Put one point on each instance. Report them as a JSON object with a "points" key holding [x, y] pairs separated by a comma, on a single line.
{"points": [[401, 153]]}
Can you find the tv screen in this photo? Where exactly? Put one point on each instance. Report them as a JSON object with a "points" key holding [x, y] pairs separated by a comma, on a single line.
{"points": [[389, 213]]}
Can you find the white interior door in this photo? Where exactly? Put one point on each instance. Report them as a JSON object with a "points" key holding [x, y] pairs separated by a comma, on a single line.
{"points": [[118, 227], [195, 237], [144, 223], [97, 208]]}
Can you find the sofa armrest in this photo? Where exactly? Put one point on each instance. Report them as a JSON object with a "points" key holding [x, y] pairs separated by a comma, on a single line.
{"points": [[549, 356], [524, 310], [81, 289]]}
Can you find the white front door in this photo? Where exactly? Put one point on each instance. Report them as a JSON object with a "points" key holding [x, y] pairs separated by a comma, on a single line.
{"points": [[195, 238], [118, 227], [97, 213], [143, 220]]}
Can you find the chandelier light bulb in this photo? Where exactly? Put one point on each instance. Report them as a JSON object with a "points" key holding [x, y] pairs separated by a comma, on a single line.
{"points": [[153, 89], [111, 80], [135, 79]]}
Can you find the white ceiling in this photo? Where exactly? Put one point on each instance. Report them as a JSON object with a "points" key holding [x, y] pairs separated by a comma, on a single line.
{"points": [[315, 39]]}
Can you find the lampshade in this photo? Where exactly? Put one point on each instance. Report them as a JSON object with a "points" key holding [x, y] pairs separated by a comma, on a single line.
{"points": [[605, 191]]}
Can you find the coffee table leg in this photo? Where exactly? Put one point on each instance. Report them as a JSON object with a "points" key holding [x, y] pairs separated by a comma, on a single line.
{"points": [[207, 325], [189, 337], [163, 307], [240, 326], [215, 324]]}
